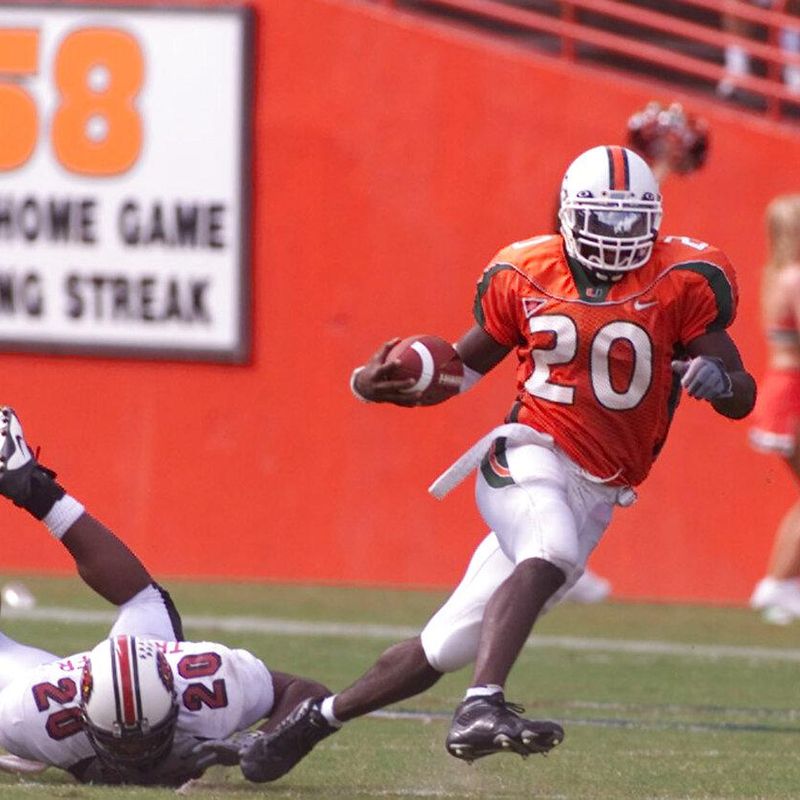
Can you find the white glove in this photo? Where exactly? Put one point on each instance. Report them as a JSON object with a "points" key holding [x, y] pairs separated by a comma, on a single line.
{"points": [[704, 378]]}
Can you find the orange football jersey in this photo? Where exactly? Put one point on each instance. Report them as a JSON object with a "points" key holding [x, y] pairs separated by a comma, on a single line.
{"points": [[594, 365]]}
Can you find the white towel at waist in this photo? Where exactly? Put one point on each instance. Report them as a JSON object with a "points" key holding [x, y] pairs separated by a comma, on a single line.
{"points": [[515, 432], [518, 434]]}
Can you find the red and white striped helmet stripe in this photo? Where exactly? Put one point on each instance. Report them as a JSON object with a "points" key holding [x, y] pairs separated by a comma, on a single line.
{"points": [[125, 672]]}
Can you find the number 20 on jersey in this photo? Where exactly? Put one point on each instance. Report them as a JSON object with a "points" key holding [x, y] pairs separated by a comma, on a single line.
{"points": [[95, 129]]}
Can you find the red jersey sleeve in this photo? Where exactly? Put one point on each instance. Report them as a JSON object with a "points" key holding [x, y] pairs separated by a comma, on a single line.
{"points": [[709, 295], [496, 307]]}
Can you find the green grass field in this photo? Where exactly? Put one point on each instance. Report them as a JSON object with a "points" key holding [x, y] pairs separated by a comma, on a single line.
{"points": [[657, 701]]}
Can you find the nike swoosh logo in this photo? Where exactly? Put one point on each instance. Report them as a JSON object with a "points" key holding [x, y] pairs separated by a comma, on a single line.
{"points": [[640, 306]]}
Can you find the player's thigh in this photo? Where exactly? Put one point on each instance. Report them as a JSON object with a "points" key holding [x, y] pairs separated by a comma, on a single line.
{"points": [[530, 512], [450, 639], [593, 507]]}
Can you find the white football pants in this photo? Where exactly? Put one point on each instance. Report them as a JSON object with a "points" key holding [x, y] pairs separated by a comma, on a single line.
{"points": [[553, 510]]}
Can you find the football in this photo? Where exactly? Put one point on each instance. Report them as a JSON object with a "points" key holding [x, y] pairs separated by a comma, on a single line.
{"points": [[433, 363]]}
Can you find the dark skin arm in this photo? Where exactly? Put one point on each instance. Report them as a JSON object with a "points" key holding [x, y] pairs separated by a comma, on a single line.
{"points": [[374, 382], [720, 345], [481, 352], [290, 690], [104, 562]]}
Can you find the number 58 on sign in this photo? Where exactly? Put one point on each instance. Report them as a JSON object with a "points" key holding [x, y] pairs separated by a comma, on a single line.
{"points": [[123, 204]]}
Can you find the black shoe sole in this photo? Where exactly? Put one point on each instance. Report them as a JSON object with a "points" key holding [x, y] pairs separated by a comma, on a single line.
{"points": [[526, 746]]}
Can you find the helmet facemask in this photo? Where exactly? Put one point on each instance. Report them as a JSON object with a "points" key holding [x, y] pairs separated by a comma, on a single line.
{"points": [[609, 230], [141, 747]]}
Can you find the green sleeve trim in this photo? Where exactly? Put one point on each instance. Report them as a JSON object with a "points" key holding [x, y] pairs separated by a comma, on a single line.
{"points": [[483, 286], [720, 287]]}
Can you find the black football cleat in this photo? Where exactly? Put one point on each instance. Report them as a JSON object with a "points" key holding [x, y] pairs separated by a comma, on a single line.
{"points": [[485, 725], [273, 754]]}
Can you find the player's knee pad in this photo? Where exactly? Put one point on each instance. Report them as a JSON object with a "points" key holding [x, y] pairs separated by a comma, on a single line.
{"points": [[448, 649], [450, 639]]}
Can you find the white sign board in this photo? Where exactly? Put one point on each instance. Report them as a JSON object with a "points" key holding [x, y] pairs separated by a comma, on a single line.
{"points": [[124, 181]]}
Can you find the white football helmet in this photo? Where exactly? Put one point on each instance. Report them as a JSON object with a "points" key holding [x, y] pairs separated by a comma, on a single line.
{"points": [[128, 702], [610, 210]]}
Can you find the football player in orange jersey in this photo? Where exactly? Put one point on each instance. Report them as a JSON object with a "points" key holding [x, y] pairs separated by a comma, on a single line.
{"points": [[673, 141], [608, 323]]}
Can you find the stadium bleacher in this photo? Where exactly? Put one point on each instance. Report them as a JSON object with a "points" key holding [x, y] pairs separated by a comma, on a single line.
{"points": [[678, 42]]}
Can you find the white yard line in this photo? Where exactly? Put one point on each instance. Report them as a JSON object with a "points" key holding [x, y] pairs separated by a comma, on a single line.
{"points": [[275, 626]]}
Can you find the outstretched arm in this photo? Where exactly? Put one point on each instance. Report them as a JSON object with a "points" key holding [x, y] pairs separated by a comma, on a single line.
{"points": [[290, 690], [104, 562]]}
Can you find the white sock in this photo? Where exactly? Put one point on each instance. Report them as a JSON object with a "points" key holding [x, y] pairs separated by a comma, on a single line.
{"points": [[483, 691], [63, 515], [326, 709]]}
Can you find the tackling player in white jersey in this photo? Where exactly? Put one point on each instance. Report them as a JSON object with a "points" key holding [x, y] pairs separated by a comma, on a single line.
{"points": [[139, 707]]}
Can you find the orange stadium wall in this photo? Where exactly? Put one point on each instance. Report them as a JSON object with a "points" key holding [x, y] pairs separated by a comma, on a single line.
{"points": [[392, 158]]}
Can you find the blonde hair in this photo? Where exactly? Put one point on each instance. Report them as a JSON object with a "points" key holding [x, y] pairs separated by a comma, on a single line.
{"points": [[783, 238], [783, 230]]}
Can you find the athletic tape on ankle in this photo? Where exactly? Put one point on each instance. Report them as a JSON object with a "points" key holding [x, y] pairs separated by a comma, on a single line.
{"points": [[483, 691], [63, 515], [326, 709]]}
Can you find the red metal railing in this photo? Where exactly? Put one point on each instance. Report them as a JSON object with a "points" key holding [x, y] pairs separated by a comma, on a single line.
{"points": [[670, 41]]}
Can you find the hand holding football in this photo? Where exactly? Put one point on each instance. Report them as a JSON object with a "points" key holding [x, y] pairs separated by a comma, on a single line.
{"points": [[432, 362]]}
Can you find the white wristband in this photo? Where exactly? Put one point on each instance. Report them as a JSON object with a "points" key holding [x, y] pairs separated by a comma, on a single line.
{"points": [[471, 377], [353, 389], [63, 515]]}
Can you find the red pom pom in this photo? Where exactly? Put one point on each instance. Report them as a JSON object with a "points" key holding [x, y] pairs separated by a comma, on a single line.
{"points": [[670, 135]]}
